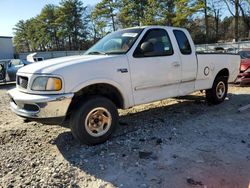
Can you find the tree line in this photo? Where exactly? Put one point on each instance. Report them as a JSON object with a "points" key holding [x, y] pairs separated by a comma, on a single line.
{"points": [[73, 26]]}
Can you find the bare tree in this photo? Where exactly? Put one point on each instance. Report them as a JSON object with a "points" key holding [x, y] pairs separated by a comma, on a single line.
{"points": [[206, 20], [215, 9], [245, 11], [235, 14]]}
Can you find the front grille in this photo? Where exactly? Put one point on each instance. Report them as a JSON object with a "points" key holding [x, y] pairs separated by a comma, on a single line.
{"points": [[22, 81]]}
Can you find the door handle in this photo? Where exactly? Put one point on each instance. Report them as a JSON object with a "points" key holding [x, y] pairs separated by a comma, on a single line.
{"points": [[124, 70], [176, 64]]}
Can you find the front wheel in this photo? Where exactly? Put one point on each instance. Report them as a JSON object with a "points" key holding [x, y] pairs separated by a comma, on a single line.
{"points": [[218, 92], [95, 121]]}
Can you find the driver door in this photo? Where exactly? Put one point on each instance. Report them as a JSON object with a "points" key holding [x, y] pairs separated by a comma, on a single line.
{"points": [[155, 68]]}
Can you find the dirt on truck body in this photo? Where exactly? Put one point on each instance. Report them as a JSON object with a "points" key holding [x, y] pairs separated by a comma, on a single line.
{"points": [[180, 142]]}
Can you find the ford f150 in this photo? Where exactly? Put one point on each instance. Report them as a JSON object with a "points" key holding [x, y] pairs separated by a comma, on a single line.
{"points": [[126, 68]]}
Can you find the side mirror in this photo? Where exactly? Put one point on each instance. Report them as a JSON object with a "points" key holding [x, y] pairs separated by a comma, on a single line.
{"points": [[147, 47]]}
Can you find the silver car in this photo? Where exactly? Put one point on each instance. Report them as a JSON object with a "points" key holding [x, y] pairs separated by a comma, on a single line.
{"points": [[9, 67]]}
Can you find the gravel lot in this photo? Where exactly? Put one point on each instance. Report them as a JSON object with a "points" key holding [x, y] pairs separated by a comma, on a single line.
{"points": [[175, 143]]}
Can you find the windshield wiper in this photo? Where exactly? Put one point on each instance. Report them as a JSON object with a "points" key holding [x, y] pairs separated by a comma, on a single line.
{"points": [[118, 52], [96, 53]]}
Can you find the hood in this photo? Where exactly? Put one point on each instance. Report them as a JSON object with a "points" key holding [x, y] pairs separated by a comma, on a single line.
{"points": [[52, 65], [244, 64]]}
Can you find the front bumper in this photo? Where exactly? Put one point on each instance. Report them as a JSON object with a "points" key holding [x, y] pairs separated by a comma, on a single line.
{"points": [[39, 106]]}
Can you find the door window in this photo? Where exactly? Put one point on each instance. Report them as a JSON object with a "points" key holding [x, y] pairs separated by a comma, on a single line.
{"points": [[15, 62], [183, 42], [155, 42]]}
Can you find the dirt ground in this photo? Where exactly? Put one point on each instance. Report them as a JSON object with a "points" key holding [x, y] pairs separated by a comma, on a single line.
{"points": [[175, 143]]}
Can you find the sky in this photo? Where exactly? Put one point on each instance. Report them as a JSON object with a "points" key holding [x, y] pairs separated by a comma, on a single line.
{"points": [[11, 11]]}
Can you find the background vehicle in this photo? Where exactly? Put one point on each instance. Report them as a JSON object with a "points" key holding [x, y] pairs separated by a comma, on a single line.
{"points": [[9, 67], [244, 77], [232, 50], [126, 68], [33, 58], [219, 49]]}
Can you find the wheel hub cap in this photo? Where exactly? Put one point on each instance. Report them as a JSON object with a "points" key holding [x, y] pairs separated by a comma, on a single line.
{"points": [[220, 90], [98, 122]]}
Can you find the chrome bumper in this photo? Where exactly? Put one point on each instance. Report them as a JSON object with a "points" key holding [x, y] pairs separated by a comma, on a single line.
{"points": [[39, 106]]}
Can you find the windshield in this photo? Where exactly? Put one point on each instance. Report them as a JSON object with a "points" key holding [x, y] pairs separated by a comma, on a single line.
{"points": [[118, 42], [244, 54]]}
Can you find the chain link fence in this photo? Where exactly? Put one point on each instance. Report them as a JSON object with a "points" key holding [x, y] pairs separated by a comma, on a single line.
{"points": [[230, 47]]}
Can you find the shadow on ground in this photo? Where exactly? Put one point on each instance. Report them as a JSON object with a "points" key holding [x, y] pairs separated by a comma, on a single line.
{"points": [[166, 145]]}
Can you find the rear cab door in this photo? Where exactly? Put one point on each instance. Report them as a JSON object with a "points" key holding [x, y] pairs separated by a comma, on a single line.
{"points": [[187, 53], [155, 65]]}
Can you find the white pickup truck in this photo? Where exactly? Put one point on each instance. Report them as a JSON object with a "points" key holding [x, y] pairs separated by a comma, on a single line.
{"points": [[126, 68]]}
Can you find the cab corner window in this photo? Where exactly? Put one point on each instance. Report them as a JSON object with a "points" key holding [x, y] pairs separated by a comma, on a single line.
{"points": [[183, 42], [155, 42]]}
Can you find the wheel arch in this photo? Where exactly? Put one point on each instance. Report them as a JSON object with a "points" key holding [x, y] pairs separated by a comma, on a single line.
{"points": [[224, 72], [101, 89]]}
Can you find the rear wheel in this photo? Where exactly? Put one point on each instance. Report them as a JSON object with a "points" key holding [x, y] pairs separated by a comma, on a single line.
{"points": [[218, 92], [95, 121]]}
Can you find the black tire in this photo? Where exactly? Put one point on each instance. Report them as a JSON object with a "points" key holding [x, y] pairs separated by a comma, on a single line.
{"points": [[93, 112], [218, 92]]}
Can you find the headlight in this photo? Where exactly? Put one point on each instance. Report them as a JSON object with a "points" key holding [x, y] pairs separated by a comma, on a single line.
{"points": [[44, 83]]}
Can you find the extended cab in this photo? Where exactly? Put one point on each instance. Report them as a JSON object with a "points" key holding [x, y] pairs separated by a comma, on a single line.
{"points": [[126, 68]]}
